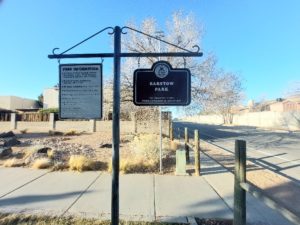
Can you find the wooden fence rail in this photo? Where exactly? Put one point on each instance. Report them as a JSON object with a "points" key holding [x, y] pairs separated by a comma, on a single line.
{"points": [[241, 187]]}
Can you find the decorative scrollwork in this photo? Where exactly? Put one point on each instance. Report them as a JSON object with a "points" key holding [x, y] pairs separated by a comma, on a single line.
{"points": [[53, 51], [88, 38], [166, 42], [197, 47]]}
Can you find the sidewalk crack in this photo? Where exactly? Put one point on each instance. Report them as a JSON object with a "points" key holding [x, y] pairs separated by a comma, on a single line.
{"points": [[85, 190]]}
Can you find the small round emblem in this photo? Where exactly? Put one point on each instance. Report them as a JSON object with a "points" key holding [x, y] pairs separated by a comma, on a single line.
{"points": [[161, 70]]}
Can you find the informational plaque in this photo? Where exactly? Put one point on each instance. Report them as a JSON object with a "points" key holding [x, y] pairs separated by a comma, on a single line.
{"points": [[162, 85], [80, 91]]}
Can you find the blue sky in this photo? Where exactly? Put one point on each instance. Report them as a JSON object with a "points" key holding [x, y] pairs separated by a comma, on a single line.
{"points": [[260, 40]]}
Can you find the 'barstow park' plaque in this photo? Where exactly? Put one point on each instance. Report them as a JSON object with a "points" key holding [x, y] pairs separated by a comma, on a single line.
{"points": [[80, 91], [162, 85]]}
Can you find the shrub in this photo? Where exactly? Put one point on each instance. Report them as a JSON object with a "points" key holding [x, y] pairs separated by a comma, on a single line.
{"points": [[146, 147], [50, 110], [81, 163], [42, 163]]}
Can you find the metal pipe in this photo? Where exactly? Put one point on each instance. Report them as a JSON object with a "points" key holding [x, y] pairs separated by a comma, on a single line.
{"points": [[128, 54], [116, 128]]}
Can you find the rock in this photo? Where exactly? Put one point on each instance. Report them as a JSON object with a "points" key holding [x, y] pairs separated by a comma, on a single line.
{"points": [[5, 151], [7, 134], [105, 145], [43, 150], [12, 141], [55, 133]]}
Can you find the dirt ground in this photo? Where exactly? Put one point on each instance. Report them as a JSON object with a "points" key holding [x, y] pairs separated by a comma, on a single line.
{"points": [[96, 146]]}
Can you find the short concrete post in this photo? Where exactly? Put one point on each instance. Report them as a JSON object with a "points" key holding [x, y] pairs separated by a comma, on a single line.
{"points": [[93, 125], [239, 177], [197, 153], [52, 121], [13, 121], [186, 141]]}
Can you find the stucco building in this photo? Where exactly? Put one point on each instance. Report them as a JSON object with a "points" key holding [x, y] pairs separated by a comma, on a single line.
{"points": [[50, 97], [15, 103]]}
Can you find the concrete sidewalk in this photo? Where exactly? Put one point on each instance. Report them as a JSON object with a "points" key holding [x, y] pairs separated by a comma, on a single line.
{"points": [[142, 197], [222, 181]]}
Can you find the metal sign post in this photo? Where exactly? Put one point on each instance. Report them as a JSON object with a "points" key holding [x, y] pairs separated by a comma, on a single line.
{"points": [[117, 55]]}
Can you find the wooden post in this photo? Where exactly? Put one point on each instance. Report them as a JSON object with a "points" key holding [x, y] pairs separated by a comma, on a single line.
{"points": [[197, 153], [186, 141], [239, 177], [171, 131]]}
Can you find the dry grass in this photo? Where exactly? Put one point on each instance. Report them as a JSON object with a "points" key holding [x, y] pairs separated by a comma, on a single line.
{"points": [[12, 163], [81, 163], [42, 163], [174, 145], [136, 166], [21, 219]]}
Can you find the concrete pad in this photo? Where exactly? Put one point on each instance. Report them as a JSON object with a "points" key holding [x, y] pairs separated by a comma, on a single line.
{"points": [[50, 194], [257, 212], [136, 198], [13, 178], [181, 197]]}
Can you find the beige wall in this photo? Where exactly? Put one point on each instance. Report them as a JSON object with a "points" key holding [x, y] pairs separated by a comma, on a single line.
{"points": [[14, 102], [50, 98], [273, 120]]}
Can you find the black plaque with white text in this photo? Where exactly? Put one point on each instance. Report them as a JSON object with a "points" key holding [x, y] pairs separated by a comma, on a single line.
{"points": [[162, 85]]}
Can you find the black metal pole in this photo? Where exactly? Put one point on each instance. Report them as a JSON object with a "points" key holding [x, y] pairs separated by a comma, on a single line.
{"points": [[116, 128]]}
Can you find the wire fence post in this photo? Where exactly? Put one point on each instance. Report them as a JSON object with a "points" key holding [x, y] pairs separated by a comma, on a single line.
{"points": [[186, 141], [239, 177], [197, 153]]}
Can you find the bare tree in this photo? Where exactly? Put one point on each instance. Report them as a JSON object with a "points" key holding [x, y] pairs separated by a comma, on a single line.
{"points": [[292, 89], [213, 89]]}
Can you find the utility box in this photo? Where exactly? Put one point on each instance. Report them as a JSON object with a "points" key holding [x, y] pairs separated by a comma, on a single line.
{"points": [[180, 163]]}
